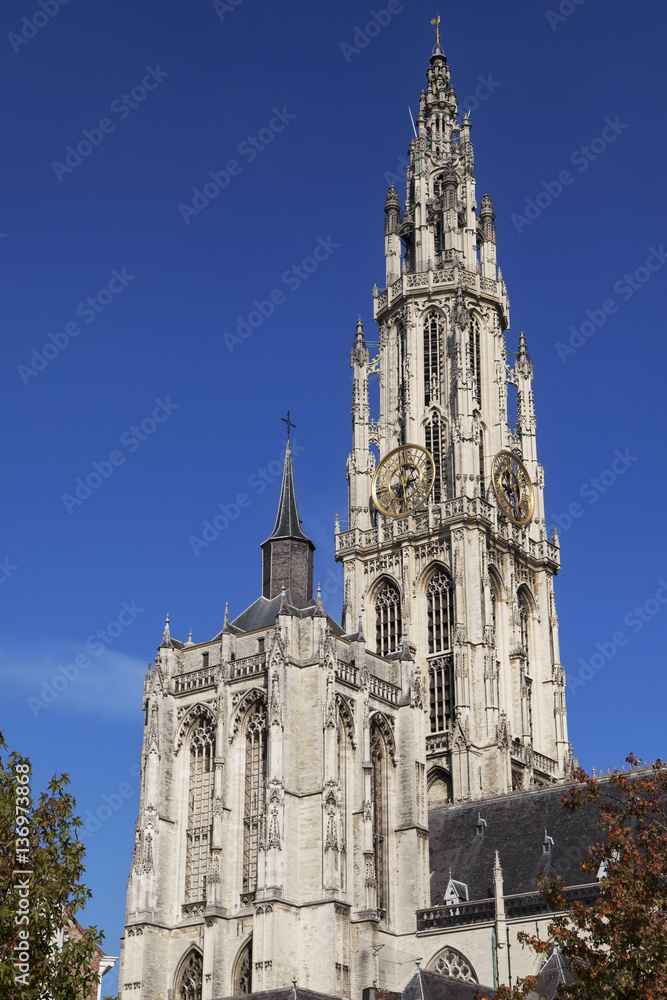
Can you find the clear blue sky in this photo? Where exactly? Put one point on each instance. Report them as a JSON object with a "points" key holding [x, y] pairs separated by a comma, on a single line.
{"points": [[208, 80]]}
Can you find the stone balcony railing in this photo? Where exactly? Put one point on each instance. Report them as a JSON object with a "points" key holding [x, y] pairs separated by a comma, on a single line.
{"points": [[432, 517], [384, 690], [249, 665], [347, 672], [540, 762], [193, 680], [436, 279], [478, 911]]}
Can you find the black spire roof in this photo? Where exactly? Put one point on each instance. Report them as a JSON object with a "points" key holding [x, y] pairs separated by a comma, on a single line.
{"points": [[287, 554], [288, 523]]}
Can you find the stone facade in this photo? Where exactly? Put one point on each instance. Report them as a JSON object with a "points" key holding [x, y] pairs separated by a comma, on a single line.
{"points": [[289, 764]]}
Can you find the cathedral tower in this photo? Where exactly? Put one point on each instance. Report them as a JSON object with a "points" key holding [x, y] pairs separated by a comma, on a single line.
{"points": [[289, 764], [472, 587]]}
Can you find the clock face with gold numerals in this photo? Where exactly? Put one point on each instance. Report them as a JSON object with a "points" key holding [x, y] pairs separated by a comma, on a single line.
{"points": [[513, 488], [403, 480]]}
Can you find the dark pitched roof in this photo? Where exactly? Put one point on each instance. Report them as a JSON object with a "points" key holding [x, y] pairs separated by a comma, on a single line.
{"points": [[515, 827], [554, 972], [432, 986], [287, 993], [263, 613], [288, 523]]}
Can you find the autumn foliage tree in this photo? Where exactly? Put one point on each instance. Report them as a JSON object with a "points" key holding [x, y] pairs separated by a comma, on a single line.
{"points": [[41, 869], [616, 948]]}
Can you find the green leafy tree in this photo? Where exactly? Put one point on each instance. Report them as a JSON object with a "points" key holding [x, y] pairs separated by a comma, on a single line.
{"points": [[41, 870], [616, 948]]}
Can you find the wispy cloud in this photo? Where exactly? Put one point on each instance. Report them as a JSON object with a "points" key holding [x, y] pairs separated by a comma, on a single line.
{"points": [[71, 678]]}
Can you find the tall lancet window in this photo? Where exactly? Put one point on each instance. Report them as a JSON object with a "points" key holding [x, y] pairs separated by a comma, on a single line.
{"points": [[440, 617], [526, 681], [433, 434], [344, 748], [440, 596], [474, 356], [255, 773], [200, 809], [379, 799], [189, 985], [482, 483], [387, 618], [433, 357]]}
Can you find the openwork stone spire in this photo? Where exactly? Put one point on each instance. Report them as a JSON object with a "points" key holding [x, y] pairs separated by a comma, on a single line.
{"points": [[287, 555]]}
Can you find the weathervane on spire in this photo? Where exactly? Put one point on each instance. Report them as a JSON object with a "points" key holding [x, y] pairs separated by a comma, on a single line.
{"points": [[436, 23], [286, 420]]}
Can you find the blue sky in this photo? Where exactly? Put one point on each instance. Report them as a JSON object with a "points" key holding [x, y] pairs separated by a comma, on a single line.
{"points": [[147, 382]]}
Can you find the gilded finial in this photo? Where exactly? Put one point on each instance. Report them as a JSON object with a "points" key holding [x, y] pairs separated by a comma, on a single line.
{"points": [[436, 23]]}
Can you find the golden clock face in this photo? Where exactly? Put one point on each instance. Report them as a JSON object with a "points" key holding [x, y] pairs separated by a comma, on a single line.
{"points": [[403, 480], [513, 488]]}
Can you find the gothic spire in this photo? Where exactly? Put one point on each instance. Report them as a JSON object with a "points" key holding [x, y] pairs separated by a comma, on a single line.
{"points": [[287, 555]]}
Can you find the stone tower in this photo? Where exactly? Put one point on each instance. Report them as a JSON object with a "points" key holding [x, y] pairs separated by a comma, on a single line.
{"points": [[473, 590], [289, 763]]}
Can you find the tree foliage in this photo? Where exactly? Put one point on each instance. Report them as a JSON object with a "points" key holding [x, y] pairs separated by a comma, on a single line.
{"points": [[41, 870], [616, 948]]}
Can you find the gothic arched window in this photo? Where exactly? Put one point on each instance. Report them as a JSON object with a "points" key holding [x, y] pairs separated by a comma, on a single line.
{"points": [[379, 799], [453, 964], [253, 804], [343, 751], [440, 598], [526, 681], [433, 433], [200, 808], [387, 618], [482, 483], [243, 971], [474, 356], [189, 982], [433, 357]]}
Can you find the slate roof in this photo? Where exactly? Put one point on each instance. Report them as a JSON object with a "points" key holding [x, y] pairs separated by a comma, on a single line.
{"points": [[288, 993], [515, 827], [288, 523], [432, 986], [263, 613]]}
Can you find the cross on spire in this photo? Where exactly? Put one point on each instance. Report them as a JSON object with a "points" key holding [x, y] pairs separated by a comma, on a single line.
{"points": [[286, 420]]}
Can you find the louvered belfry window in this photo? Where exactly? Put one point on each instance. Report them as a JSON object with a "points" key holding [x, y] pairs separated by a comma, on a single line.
{"points": [[440, 598], [433, 358], [200, 809], [255, 773], [387, 618]]}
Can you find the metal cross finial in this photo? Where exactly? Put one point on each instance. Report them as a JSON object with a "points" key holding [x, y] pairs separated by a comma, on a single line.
{"points": [[436, 23], [286, 420]]}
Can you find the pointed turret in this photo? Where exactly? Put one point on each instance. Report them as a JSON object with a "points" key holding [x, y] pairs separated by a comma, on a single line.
{"points": [[287, 555]]}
